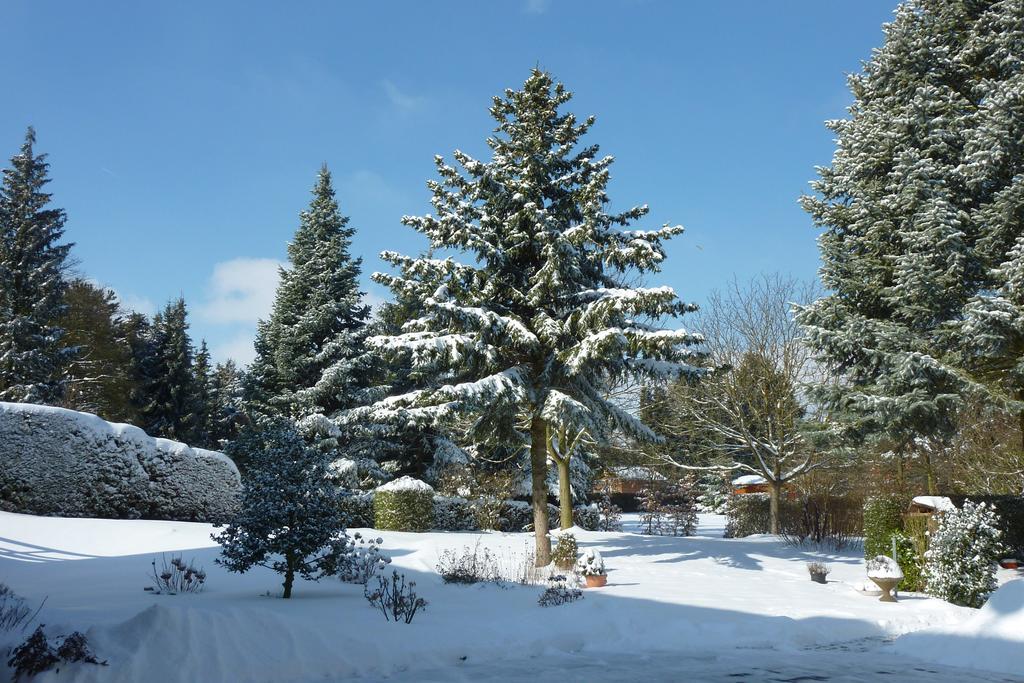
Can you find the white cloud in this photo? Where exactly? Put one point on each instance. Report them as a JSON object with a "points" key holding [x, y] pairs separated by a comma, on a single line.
{"points": [[239, 348], [240, 291], [537, 6], [401, 99]]}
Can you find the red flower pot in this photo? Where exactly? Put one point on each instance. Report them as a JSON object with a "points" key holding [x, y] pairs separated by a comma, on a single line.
{"points": [[596, 580], [1010, 564]]}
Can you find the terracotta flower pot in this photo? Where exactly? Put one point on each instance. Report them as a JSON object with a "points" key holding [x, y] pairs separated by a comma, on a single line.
{"points": [[596, 580], [1010, 563]]}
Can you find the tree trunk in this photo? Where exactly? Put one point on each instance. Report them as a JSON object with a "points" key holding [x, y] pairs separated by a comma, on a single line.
{"points": [[539, 472], [289, 579], [929, 472], [564, 493], [775, 497]]}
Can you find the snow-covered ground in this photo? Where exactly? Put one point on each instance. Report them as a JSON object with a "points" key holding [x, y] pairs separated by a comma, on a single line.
{"points": [[698, 608]]}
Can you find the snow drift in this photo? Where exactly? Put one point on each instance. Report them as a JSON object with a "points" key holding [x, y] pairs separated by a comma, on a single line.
{"points": [[61, 462], [992, 638]]}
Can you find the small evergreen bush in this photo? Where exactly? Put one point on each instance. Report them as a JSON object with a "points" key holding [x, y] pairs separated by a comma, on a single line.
{"points": [[565, 552], [358, 509], [587, 517], [747, 514], [883, 516], [454, 513], [960, 564], [910, 561], [405, 504]]}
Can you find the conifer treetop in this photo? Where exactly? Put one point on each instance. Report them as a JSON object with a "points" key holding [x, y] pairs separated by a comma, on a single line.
{"points": [[543, 316]]}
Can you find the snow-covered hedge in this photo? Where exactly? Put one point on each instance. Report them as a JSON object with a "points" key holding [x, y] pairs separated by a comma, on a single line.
{"points": [[586, 517], [747, 514], [405, 504], [960, 564], [454, 513], [358, 507], [61, 462]]}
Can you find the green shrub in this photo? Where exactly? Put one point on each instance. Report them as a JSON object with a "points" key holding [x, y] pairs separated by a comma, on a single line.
{"points": [[1011, 520], [910, 561], [883, 516], [960, 565], [453, 513], [358, 509], [586, 517], [565, 552], [405, 504], [747, 514]]}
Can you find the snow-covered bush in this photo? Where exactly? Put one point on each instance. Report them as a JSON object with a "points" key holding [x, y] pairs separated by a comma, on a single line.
{"points": [[405, 504], [587, 517], [516, 515], [559, 593], [565, 552], [37, 655], [713, 494], [472, 565], [365, 561], [396, 599], [678, 508], [609, 514], [960, 563], [454, 513], [358, 508], [747, 514], [177, 576], [883, 516], [290, 520], [62, 462], [591, 563]]}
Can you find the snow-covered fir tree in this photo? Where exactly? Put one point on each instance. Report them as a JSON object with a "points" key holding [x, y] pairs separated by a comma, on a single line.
{"points": [[167, 392], [920, 205], [291, 519], [33, 353], [310, 355], [202, 401], [531, 331], [227, 410], [960, 563]]}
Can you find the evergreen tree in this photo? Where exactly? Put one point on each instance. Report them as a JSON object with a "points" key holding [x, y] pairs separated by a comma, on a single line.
{"points": [[532, 332], [291, 519], [169, 409], [227, 414], [310, 356], [33, 352], [922, 202], [100, 375], [202, 400]]}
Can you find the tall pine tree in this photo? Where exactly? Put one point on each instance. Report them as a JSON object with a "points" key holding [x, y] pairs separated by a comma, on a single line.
{"points": [[33, 353], [169, 407], [310, 355], [543, 319], [923, 201]]}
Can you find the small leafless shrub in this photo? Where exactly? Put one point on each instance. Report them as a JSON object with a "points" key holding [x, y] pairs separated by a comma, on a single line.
{"points": [[176, 576], [396, 600], [560, 592]]}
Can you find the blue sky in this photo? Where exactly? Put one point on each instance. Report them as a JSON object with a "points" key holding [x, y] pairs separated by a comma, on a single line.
{"points": [[184, 136]]}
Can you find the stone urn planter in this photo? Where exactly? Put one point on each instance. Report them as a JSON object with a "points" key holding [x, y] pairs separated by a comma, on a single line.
{"points": [[596, 580], [885, 572]]}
